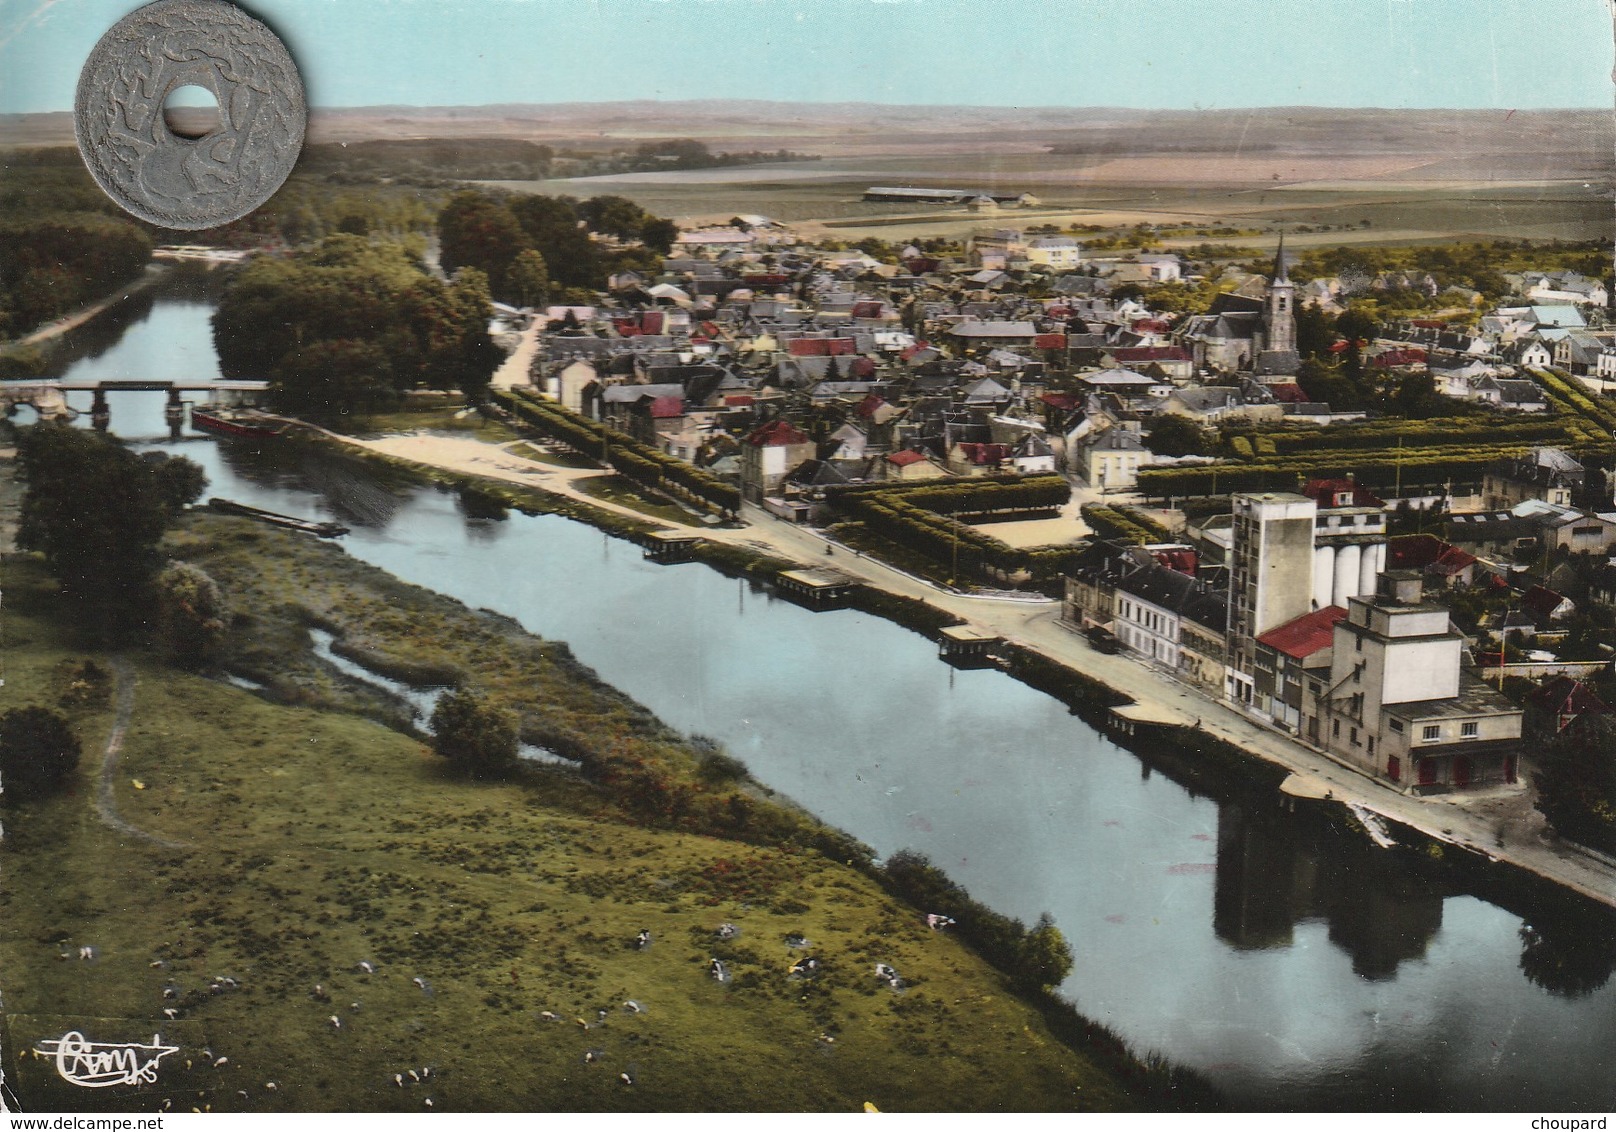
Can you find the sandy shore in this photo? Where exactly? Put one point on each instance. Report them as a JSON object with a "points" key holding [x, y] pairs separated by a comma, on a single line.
{"points": [[1498, 822]]}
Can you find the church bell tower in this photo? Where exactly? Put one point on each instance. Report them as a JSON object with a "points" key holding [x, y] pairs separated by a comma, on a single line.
{"points": [[1278, 358]]}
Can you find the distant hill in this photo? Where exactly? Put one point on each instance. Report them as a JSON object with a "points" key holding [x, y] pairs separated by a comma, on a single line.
{"points": [[1479, 144]]}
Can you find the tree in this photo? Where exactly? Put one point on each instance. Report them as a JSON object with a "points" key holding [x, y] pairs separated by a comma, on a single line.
{"points": [[95, 511], [180, 482], [554, 228], [1045, 958], [473, 734], [1175, 435], [1576, 781], [332, 378], [475, 230], [190, 614], [615, 216], [469, 360], [658, 234], [38, 752], [529, 278]]}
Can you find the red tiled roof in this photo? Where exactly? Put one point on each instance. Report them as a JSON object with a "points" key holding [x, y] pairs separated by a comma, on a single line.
{"points": [[740, 399], [905, 458], [867, 309], [1185, 561], [862, 367], [985, 454], [1324, 491], [776, 434], [1060, 400], [665, 408], [1414, 552], [1059, 312], [1049, 341], [1306, 635], [1452, 561], [1137, 354], [1412, 355], [911, 351], [819, 347], [1564, 695], [1540, 601], [767, 280], [1151, 325], [1288, 392], [652, 322], [868, 406]]}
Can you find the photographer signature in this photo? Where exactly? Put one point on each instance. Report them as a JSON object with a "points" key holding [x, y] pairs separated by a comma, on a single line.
{"points": [[96, 1065]]}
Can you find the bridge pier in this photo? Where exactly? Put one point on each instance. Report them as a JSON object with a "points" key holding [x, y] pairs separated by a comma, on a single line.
{"points": [[100, 412], [174, 410]]}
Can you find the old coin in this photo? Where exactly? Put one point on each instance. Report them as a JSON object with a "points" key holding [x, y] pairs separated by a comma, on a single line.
{"points": [[154, 173]]}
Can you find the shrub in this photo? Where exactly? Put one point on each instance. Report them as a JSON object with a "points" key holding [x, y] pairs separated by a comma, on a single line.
{"points": [[38, 752], [474, 735]]}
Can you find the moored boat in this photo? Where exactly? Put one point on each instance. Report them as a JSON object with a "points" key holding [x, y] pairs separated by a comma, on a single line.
{"points": [[231, 422]]}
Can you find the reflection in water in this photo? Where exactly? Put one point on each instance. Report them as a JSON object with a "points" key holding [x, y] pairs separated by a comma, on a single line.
{"points": [[1570, 954], [1273, 873], [1300, 968]]}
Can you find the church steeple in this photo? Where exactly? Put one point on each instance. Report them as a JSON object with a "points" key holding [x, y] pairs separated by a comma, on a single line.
{"points": [[1277, 356]]}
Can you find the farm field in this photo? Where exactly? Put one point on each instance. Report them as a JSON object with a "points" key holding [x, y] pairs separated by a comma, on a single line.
{"points": [[823, 200]]}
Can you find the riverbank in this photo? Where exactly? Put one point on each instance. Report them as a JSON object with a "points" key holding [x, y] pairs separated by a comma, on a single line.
{"points": [[1495, 825], [153, 274], [312, 839]]}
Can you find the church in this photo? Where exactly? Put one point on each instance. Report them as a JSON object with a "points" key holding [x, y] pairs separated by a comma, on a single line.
{"points": [[1242, 334]]}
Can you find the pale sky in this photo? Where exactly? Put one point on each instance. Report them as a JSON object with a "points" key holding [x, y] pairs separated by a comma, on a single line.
{"points": [[1504, 54]]}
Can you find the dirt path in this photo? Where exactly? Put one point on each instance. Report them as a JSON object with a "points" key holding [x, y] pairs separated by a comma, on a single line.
{"points": [[1498, 822], [106, 801], [514, 369]]}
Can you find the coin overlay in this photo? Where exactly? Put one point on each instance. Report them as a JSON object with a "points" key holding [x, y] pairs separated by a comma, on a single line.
{"points": [[178, 182]]}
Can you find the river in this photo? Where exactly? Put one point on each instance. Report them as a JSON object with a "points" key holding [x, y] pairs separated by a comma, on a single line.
{"points": [[1298, 968]]}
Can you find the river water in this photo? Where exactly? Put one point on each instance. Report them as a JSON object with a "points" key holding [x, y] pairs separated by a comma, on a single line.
{"points": [[1298, 968]]}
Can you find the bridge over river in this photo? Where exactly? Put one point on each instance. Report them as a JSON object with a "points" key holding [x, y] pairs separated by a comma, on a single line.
{"points": [[49, 398]]}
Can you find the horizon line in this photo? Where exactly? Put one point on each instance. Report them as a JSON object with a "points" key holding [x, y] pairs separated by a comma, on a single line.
{"points": [[938, 107]]}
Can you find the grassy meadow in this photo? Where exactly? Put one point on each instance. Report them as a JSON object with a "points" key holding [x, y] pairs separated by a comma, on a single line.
{"points": [[309, 833]]}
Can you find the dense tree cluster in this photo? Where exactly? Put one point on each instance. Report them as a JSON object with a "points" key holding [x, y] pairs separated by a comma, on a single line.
{"points": [[96, 511], [38, 753], [348, 324], [1576, 781], [495, 233], [52, 264]]}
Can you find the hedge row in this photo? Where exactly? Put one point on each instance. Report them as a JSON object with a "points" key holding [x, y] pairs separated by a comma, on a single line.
{"points": [[1419, 471], [988, 497], [945, 539], [630, 457], [1596, 411], [1414, 433], [1123, 524]]}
